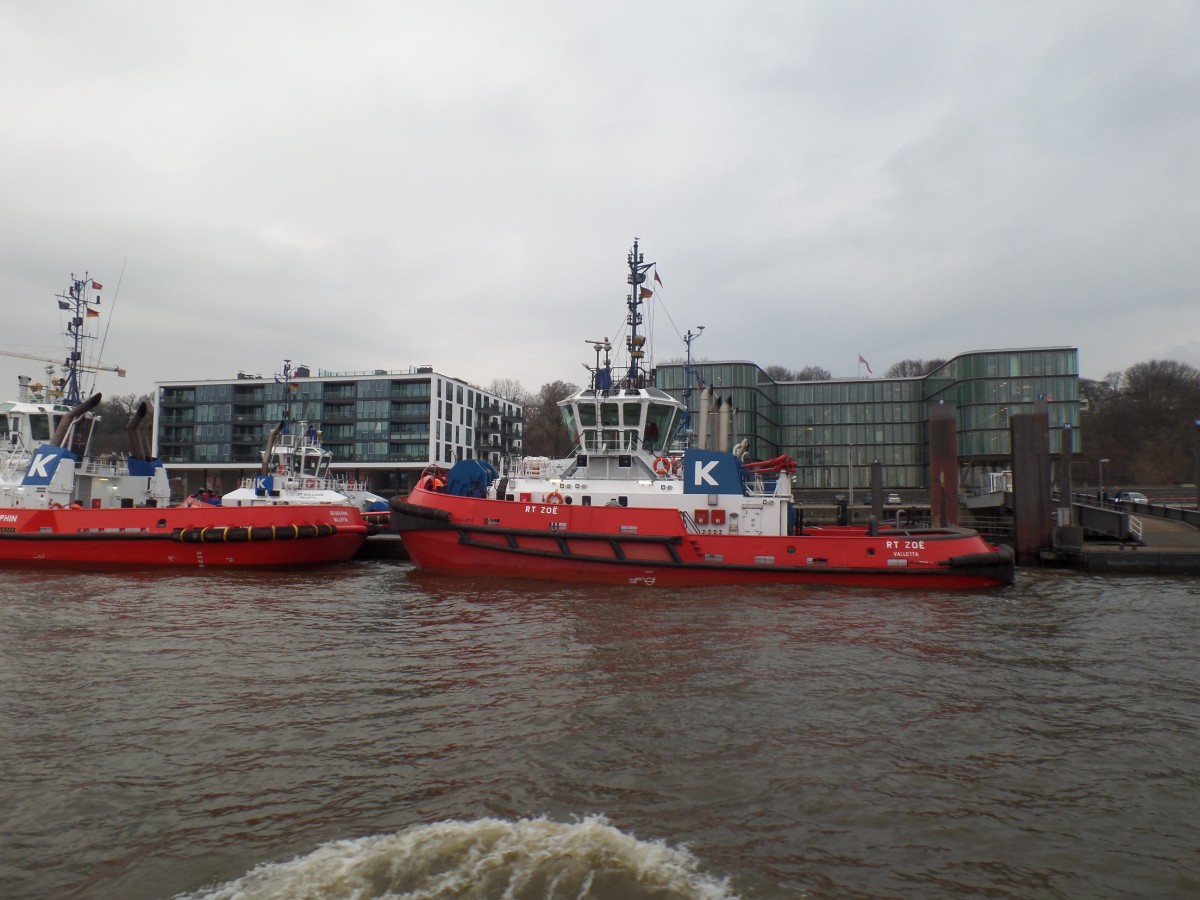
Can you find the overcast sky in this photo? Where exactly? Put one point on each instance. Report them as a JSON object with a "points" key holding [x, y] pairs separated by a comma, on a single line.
{"points": [[364, 185]]}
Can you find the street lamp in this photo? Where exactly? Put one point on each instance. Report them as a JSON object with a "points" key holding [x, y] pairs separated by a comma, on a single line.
{"points": [[685, 420], [850, 474], [1100, 480], [809, 472]]}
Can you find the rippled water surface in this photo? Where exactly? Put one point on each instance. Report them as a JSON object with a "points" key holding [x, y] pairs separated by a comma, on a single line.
{"points": [[362, 731]]}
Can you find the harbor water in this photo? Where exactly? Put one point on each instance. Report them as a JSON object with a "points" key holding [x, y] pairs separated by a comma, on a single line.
{"points": [[364, 731]]}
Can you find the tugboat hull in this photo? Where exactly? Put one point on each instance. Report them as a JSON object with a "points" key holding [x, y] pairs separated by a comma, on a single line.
{"points": [[180, 537], [466, 536]]}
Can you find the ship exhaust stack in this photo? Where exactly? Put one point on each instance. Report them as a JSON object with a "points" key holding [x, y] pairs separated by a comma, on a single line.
{"points": [[133, 431], [64, 424]]}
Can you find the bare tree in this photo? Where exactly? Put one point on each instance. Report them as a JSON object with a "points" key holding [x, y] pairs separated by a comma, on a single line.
{"points": [[913, 368], [509, 389], [545, 432], [1098, 393], [813, 373], [779, 373], [116, 412], [115, 415], [1144, 422]]}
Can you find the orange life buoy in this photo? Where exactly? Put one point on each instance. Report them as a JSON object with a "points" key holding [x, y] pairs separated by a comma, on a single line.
{"points": [[554, 497], [281, 470], [309, 483], [662, 465], [54, 504]]}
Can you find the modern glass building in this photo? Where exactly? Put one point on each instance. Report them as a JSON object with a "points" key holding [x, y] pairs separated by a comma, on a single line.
{"points": [[382, 426], [836, 429]]}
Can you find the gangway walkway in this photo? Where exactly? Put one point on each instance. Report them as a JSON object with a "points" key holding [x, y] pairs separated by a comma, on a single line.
{"points": [[1138, 541]]}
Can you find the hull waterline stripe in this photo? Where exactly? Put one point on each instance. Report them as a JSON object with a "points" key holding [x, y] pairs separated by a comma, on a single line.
{"points": [[213, 535], [998, 566]]}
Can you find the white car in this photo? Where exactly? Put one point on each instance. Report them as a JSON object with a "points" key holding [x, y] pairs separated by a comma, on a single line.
{"points": [[893, 498], [1130, 497]]}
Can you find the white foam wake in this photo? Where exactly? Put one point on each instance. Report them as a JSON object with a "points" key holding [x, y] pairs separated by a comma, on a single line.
{"points": [[486, 858]]}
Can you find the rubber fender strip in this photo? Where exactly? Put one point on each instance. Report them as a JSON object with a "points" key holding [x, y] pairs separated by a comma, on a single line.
{"points": [[227, 534]]}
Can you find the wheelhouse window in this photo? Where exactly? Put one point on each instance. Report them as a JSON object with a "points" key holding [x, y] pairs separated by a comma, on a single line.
{"points": [[39, 428], [659, 426]]}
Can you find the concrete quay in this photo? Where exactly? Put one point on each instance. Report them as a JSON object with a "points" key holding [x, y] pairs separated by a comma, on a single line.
{"points": [[1166, 548]]}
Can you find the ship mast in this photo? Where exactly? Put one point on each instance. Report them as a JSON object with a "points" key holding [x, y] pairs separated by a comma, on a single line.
{"points": [[78, 304], [289, 386], [685, 421], [637, 342]]}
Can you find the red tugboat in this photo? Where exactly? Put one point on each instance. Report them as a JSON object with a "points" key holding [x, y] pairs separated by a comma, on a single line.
{"points": [[61, 504], [184, 537], [627, 509]]}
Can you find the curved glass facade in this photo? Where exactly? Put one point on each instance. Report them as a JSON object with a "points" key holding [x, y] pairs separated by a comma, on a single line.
{"points": [[836, 429]]}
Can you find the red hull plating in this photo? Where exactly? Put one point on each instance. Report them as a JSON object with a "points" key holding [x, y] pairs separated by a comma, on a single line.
{"points": [[188, 537], [469, 536]]}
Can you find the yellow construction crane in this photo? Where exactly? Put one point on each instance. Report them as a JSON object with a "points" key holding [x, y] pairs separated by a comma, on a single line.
{"points": [[57, 386], [120, 372]]}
